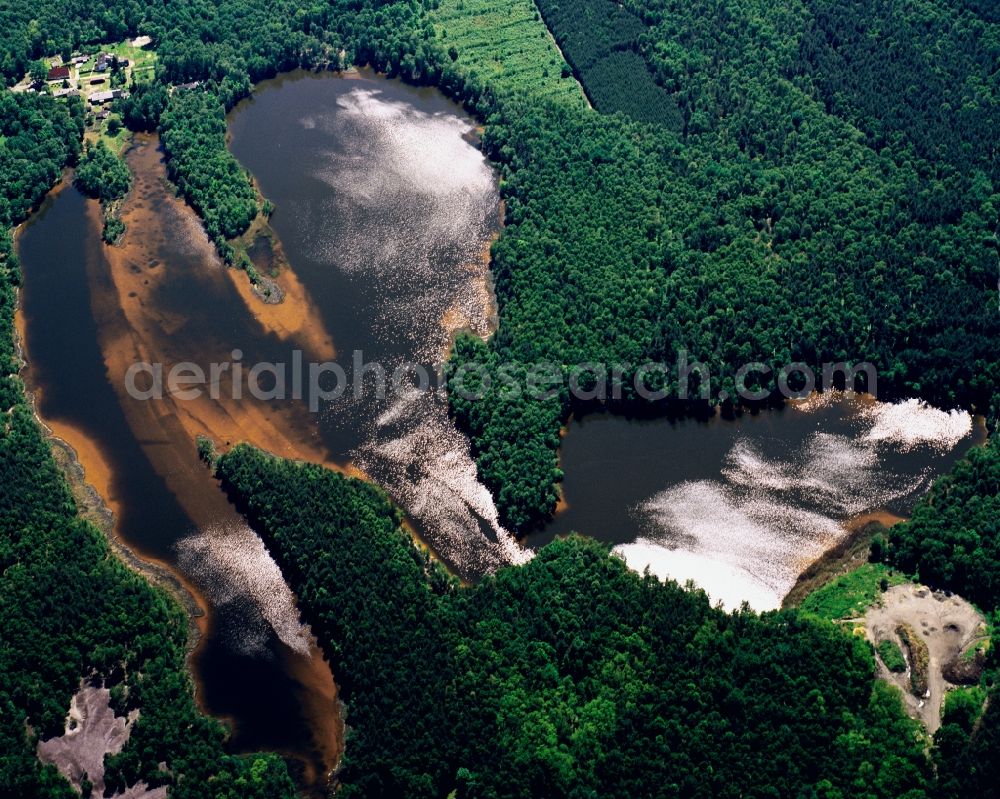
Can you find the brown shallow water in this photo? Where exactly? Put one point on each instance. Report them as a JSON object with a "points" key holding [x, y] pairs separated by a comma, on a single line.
{"points": [[88, 312], [386, 211]]}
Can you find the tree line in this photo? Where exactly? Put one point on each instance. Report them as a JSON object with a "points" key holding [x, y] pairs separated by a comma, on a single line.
{"points": [[105, 176], [774, 225], [796, 211]]}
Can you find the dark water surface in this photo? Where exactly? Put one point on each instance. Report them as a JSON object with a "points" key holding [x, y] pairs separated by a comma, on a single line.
{"points": [[743, 505], [386, 212]]}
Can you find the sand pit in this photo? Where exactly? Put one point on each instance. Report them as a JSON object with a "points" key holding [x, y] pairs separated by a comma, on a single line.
{"points": [[947, 625]]}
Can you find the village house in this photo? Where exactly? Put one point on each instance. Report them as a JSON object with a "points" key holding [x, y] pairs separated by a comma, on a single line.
{"points": [[58, 73], [99, 98]]}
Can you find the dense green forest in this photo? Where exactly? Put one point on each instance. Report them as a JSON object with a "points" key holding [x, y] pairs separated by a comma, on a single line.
{"points": [[102, 174], [506, 42], [105, 176], [30, 163], [763, 181], [571, 676], [69, 608], [193, 132], [602, 41], [953, 538]]}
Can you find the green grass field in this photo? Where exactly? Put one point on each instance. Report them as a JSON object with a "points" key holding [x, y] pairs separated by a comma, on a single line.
{"points": [[508, 43], [891, 655], [142, 61], [848, 596]]}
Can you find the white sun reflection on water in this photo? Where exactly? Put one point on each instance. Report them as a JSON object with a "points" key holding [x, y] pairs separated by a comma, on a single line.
{"points": [[416, 207], [747, 535], [414, 204], [231, 563]]}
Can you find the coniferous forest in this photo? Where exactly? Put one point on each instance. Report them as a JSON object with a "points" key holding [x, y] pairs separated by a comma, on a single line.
{"points": [[811, 181]]}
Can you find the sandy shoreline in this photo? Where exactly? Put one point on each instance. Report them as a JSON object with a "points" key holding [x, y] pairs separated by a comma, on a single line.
{"points": [[848, 553]]}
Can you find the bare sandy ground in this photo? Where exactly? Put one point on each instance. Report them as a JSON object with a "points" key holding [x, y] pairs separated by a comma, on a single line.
{"points": [[948, 625], [93, 731]]}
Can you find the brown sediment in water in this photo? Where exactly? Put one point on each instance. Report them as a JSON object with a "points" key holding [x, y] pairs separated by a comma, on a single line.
{"points": [[136, 330], [480, 317], [91, 481], [861, 521], [90, 478], [319, 695], [562, 504], [133, 328], [295, 318]]}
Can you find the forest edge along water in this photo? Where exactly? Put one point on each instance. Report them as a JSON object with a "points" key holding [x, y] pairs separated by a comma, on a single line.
{"points": [[384, 210]]}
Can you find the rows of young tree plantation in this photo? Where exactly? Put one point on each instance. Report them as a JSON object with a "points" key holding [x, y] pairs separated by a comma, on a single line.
{"points": [[507, 43], [791, 210]]}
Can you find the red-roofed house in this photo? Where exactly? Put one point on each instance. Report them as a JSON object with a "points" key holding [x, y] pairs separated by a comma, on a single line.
{"points": [[58, 73]]}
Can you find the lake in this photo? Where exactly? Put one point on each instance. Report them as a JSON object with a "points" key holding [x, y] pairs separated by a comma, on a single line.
{"points": [[741, 506]]}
